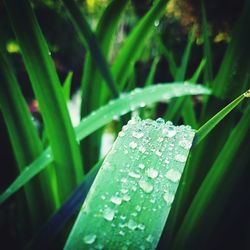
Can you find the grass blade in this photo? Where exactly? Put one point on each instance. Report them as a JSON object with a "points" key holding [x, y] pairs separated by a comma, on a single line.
{"points": [[125, 210], [21, 129], [92, 79], [48, 92], [135, 43], [213, 189], [209, 125], [67, 86], [150, 78], [88, 38], [96, 120], [235, 66], [134, 100]]}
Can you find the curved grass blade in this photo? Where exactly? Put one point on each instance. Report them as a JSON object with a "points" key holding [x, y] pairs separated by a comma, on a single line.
{"points": [[135, 43], [209, 125], [188, 177], [88, 38], [21, 129], [48, 91], [214, 189], [135, 99], [92, 79], [145, 166]]}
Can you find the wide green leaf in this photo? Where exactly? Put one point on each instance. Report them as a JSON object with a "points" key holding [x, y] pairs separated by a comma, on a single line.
{"points": [[127, 102], [130, 199]]}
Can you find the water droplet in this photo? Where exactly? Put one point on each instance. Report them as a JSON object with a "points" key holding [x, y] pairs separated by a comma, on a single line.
{"points": [[160, 139], [180, 158], [158, 152], [116, 200], [103, 197], [141, 226], [142, 104], [134, 175], [152, 173], [145, 186], [173, 175], [125, 127], [185, 144], [124, 190], [89, 239], [156, 23], [141, 166], [132, 224], [168, 197], [160, 121], [169, 131], [124, 180], [138, 208], [126, 197], [116, 118], [133, 145], [142, 149], [121, 233], [150, 238], [167, 161], [138, 135], [121, 134], [99, 246], [108, 214], [123, 217]]}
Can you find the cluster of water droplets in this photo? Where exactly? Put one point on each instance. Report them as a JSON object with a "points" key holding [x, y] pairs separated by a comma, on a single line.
{"points": [[141, 175]]}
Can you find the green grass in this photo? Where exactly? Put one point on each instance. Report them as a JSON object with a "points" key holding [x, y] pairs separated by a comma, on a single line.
{"points": [[161, 185]]}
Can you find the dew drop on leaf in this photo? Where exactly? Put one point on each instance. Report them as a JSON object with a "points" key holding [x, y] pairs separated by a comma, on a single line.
{"points": [[89, 239], [134, 175], [180, 158], [150, 238], [116, 200], [138, 135], [132, 224], [168, 197], [108, 214], [145, 186], [141, 166], [133, 145], [152, 173], [173, 175], [169, 131]]}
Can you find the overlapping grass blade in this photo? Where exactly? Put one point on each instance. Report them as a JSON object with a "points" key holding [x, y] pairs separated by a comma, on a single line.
{"points": [[136, 99], [150, 78], [183, 105], [208, 70], [191, 171], [21, 129], [48, 92], [71, 207], [135, 43], [213, 189], [145, 165], [93, 80], [88, 38], [235, 66]]}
